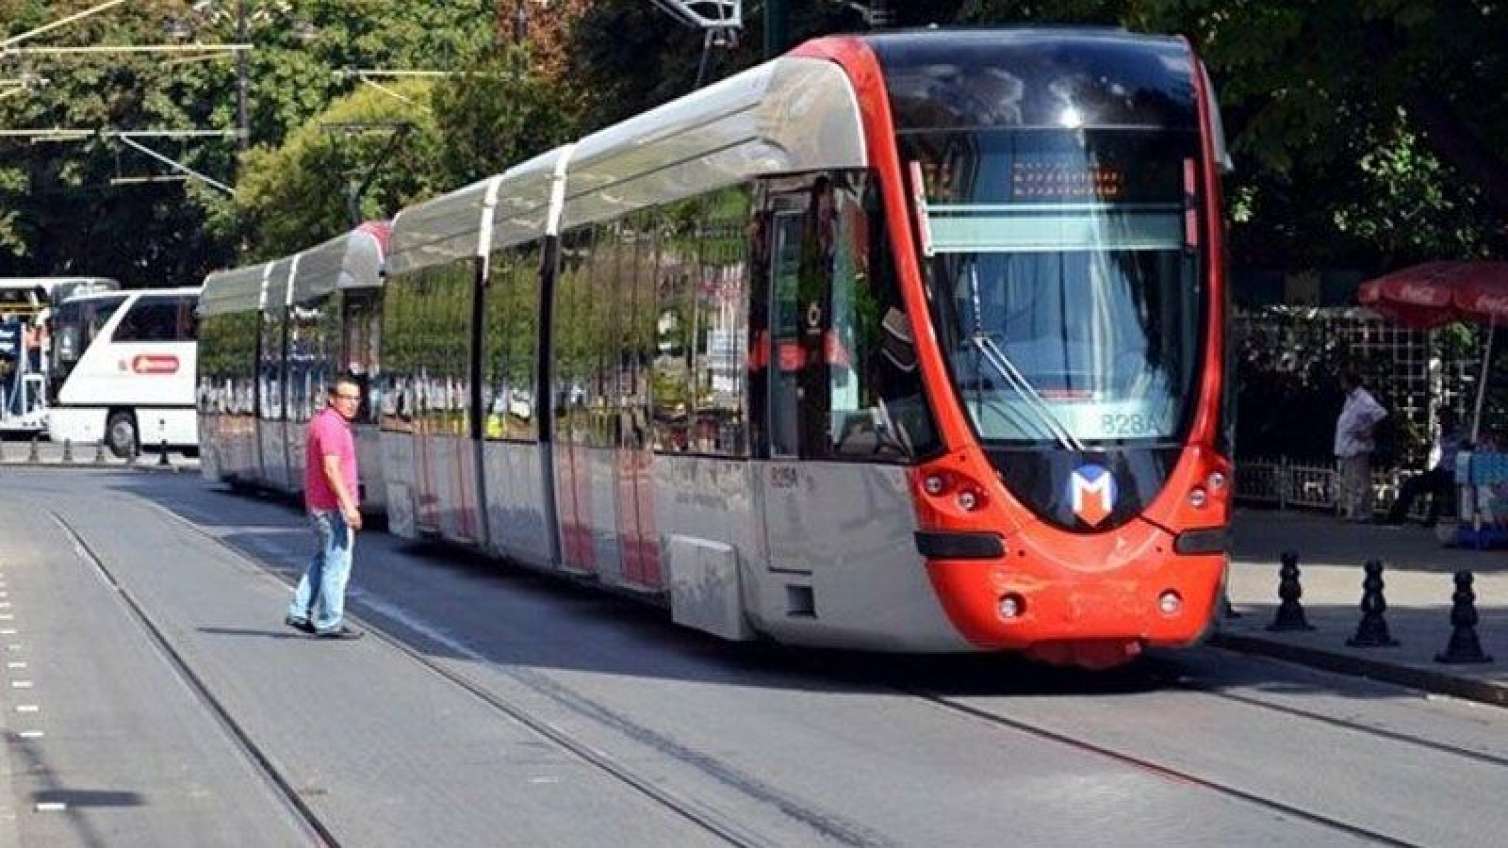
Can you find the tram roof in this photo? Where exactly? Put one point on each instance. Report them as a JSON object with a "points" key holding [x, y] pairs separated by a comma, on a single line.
{"points": [[279, 281], [351, 260], [439, 230], [787, 115], [450, 226], [235, 290]]}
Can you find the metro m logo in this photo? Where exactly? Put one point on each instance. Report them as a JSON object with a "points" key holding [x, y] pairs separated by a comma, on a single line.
{"points": [[1091, 492]]}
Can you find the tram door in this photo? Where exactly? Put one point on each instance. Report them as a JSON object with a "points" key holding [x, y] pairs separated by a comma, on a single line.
{"points": [[796, 294]]}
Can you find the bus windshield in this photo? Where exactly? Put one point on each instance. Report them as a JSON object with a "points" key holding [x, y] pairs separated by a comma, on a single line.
{"points": [[1066, 268], [74, 326]]}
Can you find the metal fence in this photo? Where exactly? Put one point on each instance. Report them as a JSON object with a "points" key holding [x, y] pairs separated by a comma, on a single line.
{"points": [[1286, 484]]}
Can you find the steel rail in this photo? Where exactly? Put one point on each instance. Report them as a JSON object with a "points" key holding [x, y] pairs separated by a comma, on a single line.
{"points": [[708, 820], [303, 812], [1170, 773]]}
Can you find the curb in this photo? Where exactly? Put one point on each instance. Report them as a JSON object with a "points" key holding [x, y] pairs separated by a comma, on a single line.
{"points": [[151, 468], [1428, 680]]}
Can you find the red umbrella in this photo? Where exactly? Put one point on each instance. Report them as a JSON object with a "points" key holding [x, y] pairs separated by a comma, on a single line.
{"points": [[1437, 293]]}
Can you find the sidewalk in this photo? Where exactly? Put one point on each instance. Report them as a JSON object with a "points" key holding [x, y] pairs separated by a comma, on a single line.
{"points": [[1418, 576]]}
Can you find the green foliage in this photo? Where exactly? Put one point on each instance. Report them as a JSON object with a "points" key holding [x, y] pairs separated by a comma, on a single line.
{"points": [[498, 113], [58, 210], [297, 195]]}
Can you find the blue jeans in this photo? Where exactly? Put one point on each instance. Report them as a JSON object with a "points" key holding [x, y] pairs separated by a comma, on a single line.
{"points": [[321, 594]]}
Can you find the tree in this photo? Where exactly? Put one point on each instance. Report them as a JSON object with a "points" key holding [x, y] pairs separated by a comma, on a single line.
{"points": [[1366, 133], [501, 111], [58, 210], [295, 196]]}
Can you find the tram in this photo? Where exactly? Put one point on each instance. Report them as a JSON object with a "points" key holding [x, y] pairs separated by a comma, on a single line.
{"points": [[271, 337], [910, 341]]}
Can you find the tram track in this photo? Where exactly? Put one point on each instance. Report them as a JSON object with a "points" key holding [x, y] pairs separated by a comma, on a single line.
{"points": [[834, 829], [1344, 724], [248, 746], [1163, 771]]}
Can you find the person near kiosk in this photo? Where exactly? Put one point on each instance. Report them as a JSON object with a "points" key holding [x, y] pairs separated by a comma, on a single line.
{"points": [[1440, 480], [1354, 443]]}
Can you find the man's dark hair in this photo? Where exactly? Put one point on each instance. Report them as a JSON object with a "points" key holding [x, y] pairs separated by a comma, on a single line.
{"points": [[344, 377]]}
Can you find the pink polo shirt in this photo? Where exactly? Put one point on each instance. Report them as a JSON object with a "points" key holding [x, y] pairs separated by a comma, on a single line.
{"points": [[329, 434]]}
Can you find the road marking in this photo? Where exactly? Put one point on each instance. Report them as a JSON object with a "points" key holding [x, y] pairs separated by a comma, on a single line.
{"points": [[51, 806], [7, 617], [20, 684], [4, 604], [16, 664], [28, 708], [4, 594], [9, 631], [13, 646], [31, 734]]}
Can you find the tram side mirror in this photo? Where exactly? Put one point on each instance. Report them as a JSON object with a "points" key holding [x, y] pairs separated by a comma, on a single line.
{"points": [[896, 342]]}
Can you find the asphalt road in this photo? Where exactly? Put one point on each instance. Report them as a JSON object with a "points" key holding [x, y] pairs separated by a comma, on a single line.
{"points": [[493, 706]]}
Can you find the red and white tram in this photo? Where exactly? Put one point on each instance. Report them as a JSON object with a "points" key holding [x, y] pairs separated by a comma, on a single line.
{"points": [[275, 333], [910, 341]]}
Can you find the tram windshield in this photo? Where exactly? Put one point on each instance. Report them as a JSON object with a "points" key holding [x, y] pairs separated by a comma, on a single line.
{"points": [[1066, 267]]}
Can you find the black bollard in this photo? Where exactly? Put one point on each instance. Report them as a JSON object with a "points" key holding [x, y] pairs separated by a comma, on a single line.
{"points": [[1372, 630], [99, 453], [1290, 615], [1229, 611], [67, 450], [133, 454], [35, 455], [1464, 646], [162, 458]]}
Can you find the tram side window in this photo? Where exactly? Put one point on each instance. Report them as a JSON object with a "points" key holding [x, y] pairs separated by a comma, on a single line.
{"points": [[523, 341], [602, 392], [495, 345], [720, 331], [643, 232], [876, 406], [567, 339], [670, 374], [843, 377]]}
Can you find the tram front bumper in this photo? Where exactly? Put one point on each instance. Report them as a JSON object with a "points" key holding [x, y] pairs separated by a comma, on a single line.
{"points": [[1081, 617]]}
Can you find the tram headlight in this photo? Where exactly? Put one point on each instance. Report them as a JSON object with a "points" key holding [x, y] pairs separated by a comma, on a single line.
{"points": [[1216, 481], [969, 500], [1169, 602], [935, 484], [1198, 498], [1012, 606]]}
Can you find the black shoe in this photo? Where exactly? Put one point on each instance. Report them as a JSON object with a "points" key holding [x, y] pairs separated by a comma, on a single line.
{"points": [[299, 624], [341, 632]]}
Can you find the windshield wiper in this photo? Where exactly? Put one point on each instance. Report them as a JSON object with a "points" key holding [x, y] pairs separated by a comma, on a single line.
{"points": [[1015, 379]]}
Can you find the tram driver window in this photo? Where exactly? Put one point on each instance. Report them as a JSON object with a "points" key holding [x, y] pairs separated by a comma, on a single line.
{"points": [[876, 410]]}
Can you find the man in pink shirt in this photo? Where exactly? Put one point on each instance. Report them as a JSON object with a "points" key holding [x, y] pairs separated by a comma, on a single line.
{"points": [[330, 490]]}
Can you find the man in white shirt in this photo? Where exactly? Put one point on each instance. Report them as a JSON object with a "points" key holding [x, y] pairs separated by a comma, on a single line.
{"points": [[1354, 445]]}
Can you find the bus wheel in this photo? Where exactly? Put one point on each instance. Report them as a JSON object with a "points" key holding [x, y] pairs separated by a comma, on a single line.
{"points": [[120, 433]]}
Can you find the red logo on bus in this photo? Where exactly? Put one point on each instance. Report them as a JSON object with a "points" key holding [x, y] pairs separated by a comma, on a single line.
{"points": [[154, 363]]}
